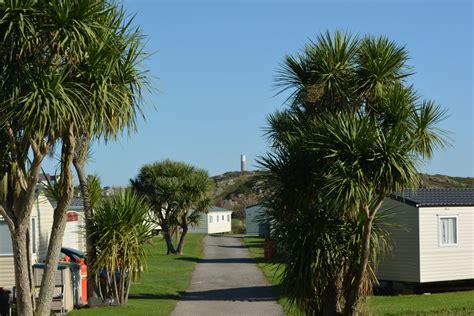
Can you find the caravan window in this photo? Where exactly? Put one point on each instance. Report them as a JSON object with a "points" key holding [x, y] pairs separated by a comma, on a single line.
{"points": [[210, 218], [228, 218], [6, 248], [448, 230]]}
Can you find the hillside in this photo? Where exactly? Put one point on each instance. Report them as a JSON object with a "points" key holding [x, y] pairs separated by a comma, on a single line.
{"points": [[235, 191]]}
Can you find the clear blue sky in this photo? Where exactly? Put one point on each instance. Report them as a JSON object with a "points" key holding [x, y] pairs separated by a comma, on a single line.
{"points": [[215, 61]]}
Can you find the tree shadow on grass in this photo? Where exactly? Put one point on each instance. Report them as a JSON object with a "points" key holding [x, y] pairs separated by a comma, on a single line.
{"points": [[143, 296], [254, 245]]}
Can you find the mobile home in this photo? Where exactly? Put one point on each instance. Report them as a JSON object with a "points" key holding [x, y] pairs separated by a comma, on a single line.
{"points": [[216, 220], [436, 240]]}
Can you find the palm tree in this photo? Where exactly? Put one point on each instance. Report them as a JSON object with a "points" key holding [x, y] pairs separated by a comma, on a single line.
{"points": [[178, 194], [367, 157], [353, 134], [114, 74], [51, 94], [120, 228]]}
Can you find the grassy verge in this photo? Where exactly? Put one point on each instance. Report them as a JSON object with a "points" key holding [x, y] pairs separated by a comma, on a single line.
{"points": [[454, 303], [161, 285]]}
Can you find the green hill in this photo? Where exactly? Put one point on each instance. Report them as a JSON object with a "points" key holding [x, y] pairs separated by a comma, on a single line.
{"points": [[236, 191]]}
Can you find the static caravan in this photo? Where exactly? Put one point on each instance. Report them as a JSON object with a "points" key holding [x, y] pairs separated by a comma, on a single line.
{"points": [[216, 220], [255, 222], [436, 241], [41, 224]]}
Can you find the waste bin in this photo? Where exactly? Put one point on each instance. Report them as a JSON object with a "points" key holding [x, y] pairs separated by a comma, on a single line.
{"points": [[63, 295], [76, 284]]}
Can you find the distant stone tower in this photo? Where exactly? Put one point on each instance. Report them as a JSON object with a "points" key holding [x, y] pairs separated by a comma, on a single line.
{"points": [[243, 164]]}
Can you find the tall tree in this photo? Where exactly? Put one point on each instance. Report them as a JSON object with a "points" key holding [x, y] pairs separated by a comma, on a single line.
{"points": [[178, 194], [47, 97], [353, 133], [116, 81]]}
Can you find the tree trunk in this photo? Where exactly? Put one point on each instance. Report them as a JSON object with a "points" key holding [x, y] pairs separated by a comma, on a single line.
{"points": [[331, 308], [79, 161], [184, 226], [354, 294], [57, 230], [30, 266], [167, 236], [24, 295], [355, 291]]}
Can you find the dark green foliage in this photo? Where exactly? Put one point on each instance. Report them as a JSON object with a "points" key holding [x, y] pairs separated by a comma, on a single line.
{"points": [[120, 228], [178, 194]]}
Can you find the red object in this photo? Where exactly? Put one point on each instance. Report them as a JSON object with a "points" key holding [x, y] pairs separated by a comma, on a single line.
{"points": [[83, 281], [72, 217], [269, 250]]}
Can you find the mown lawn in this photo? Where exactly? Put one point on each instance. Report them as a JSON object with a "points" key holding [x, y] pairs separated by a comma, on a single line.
{"points": [[454, 303], [161, 285]]}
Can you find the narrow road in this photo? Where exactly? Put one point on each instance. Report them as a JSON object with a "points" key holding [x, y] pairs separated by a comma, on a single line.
{"points": [[227, 282]]}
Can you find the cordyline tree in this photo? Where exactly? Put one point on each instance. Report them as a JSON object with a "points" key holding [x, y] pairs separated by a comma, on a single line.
{"points": [[120, 227], [116, 80], [178, 194], [354, 132], [61, 79]]}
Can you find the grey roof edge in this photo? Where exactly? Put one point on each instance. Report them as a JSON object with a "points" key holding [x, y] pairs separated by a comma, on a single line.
{"points": [[218, 209], [253, 205], [413, 197]]}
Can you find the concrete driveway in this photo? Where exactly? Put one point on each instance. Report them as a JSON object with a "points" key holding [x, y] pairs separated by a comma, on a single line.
{"points": [[227, 282]]}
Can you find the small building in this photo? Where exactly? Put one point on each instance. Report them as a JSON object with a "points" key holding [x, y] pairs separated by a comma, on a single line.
{"points": [[255, 221], [436, 240], [216, 220]]}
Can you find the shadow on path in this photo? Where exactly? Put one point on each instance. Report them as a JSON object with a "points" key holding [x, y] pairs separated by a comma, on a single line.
{"points": [[251, 294], [232, 247], [224, 260]]}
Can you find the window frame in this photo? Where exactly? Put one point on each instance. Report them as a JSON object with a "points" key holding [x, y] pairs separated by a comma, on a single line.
{"points": [[6, 225], [34, 240], [440, 238], [210, 218]]}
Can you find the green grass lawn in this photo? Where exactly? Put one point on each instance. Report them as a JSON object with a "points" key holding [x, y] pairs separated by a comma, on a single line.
{"points": [[161, 285], [454, 303]]}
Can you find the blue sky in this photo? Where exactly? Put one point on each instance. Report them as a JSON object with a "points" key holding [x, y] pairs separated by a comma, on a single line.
{"points": [[215, 61]]}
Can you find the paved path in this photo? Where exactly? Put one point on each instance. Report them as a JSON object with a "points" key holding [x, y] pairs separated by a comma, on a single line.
{"points": [[227, 282]]}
